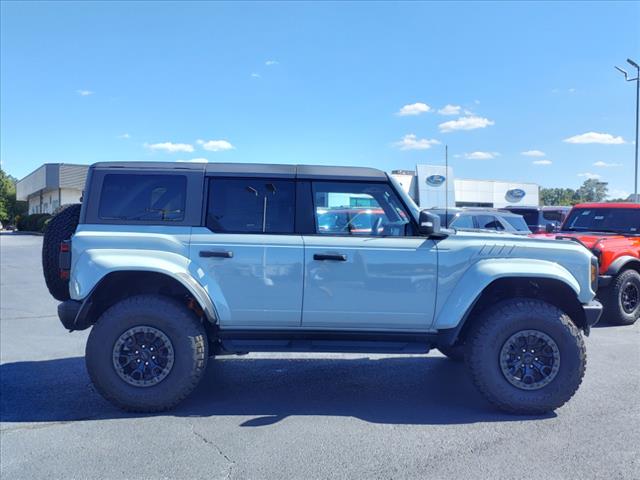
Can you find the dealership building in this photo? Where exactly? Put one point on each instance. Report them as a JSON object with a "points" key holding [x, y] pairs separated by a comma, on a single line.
{"points": [[436, 186], [52, 185]]}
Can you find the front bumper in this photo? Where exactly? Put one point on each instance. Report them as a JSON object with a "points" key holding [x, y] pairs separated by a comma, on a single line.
{"points": [[73, 314], [592, 313], [604, 281]]}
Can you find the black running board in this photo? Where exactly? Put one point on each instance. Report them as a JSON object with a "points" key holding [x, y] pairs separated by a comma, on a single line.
{"points": [[241, 341]]}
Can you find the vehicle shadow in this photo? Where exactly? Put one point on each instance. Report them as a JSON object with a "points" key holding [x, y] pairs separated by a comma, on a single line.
{"points": [[389, 390]]}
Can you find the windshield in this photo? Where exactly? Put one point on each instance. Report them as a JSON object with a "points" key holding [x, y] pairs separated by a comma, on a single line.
{"points": [[446, 219], [518, 223], [616, 220]]}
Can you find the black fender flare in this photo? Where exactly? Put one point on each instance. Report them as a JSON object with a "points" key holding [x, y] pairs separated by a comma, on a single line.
{"points": [[623, 262]]}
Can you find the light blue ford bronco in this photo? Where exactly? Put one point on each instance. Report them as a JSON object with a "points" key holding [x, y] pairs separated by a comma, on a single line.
{"points": [[173, 264]]}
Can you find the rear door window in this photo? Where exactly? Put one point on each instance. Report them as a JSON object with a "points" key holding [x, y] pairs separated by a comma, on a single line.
{"points": [[251, 205], [143, 198]]}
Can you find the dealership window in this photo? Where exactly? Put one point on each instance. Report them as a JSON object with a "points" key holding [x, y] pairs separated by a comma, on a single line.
{"points": [[143, 198], [368, 209], [252, 205]]}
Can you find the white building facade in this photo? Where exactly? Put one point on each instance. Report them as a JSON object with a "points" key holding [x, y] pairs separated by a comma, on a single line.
{"points": [[52, 185], [436, 186]]}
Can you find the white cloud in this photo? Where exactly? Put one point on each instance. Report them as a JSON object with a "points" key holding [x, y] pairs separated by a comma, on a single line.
{"points": [[605, 164], [481, 155], [269, 63], [465, 123], [215, 145], [595, 137], [256, 75], [617, 193], [589, 175], [533, 153], [542, 162], [170, 147], [411, 142], [413, 109], [196, 160], [84, 93], [449, 109], [124, 136]]}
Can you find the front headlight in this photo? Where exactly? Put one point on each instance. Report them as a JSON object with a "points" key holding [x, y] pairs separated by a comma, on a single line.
{"points": [[594, 274]]}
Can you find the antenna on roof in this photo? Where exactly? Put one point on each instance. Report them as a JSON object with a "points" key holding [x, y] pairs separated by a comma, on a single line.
{"points": [[446, 186]]}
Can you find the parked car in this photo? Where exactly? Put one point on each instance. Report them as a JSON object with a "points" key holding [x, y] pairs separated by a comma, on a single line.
{"points": [[541, 219], [612, 232], [344, 220], [170, 264], [482, 219]]}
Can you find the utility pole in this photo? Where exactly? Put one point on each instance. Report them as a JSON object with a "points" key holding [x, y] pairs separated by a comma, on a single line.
{"points": [[637, 80]]}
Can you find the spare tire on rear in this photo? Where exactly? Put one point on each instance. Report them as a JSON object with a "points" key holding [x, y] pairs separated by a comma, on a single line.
{"points": [[60, 228]]}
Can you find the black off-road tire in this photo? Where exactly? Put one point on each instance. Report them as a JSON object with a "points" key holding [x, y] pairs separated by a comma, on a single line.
{"points": [[60, 228], [495, 326], [614, 311], [178, 323], [455, 352]]}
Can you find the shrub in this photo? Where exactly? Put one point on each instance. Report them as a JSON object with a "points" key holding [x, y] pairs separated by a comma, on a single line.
{"points": [[33, 223]]}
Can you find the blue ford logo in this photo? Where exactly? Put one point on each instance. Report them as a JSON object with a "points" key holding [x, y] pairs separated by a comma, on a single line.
{"points": [[435, 180], [515, 195]]}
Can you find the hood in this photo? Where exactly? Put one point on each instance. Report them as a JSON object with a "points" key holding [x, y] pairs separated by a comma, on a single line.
{"points": [[588, 239]]}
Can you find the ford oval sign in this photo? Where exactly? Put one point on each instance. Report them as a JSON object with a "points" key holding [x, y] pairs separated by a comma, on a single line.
{"points": [[515, 195], [436, 180]]}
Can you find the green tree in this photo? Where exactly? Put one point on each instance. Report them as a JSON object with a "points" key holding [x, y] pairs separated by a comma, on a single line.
{"points": [[558, 196], [592, 190], [9, 206]]}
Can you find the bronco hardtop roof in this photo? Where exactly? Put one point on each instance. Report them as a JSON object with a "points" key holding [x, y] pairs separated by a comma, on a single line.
{"points": [[255, 169]]}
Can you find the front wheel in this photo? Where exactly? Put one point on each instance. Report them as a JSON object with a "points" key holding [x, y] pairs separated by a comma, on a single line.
{"points": [[146, 353], [526, 356], [622, 304]]}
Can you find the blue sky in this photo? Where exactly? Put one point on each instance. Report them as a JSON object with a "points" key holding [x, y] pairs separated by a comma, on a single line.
{"points": [[324, 83]]}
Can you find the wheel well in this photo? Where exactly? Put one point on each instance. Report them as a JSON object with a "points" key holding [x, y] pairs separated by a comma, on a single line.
{"points": [[552, 291], [631, 265], [623, 263], [117, 286]]}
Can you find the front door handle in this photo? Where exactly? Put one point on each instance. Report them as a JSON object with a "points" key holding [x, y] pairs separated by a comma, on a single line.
{"points": [[216, 253], [329, 256]]}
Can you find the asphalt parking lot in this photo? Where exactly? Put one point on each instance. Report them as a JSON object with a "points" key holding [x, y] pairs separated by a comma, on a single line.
{"points": [[273, 416]]}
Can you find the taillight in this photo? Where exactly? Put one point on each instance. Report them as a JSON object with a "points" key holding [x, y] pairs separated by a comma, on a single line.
{"points": [[64, 259]]}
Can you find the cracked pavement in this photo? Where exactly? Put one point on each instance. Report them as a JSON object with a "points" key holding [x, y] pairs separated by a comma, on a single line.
{"points": [[311, 416]]}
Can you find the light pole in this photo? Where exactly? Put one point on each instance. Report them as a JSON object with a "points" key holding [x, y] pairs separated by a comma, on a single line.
{"points": [[637, 80]]}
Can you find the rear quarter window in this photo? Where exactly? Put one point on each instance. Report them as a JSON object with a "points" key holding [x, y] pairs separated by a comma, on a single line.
{"points": [[144, 198]]}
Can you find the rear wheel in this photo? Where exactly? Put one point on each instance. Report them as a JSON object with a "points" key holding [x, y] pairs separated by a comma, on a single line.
{"points": [[622, 304], [526, 356], [146, 353]]}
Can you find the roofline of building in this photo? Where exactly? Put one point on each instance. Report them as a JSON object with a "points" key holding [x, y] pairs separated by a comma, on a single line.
{"points": [[55, 163]]}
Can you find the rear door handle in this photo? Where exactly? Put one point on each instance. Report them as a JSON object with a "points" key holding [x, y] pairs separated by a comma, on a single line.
{"points": [[328, 256], [216, 253]]}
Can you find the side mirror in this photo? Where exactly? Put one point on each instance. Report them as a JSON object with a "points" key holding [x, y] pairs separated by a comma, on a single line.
{"points": [[428, 223], [550, 227]]}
